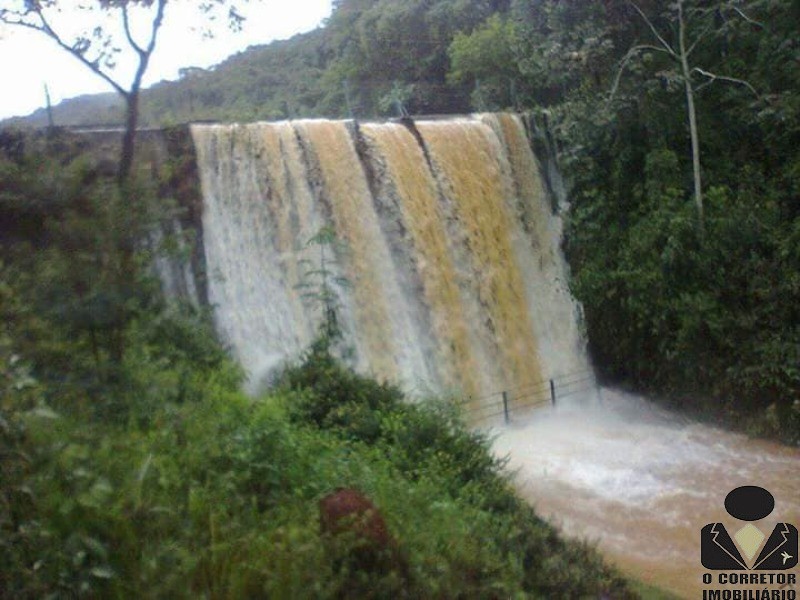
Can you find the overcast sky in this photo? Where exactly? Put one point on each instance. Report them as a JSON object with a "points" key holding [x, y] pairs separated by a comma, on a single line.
{"points": [[28, 59]]}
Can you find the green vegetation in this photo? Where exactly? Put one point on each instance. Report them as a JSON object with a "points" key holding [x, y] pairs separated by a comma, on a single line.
{"points": [[684, 232], [708, 319], [650, 592], [319, 285], [133, 465], [217, 496], [369, 53]]}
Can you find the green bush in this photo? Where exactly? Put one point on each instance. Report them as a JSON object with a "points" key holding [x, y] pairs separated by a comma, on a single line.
{"points": [[217, 497], [466, 532]]}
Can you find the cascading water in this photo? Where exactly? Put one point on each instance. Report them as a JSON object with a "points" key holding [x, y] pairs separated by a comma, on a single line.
{"points": [[452, 252], [258, 207], [458, 285]]}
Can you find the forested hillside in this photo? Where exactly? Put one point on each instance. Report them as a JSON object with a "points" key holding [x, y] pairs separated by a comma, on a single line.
{"points": [[677, 129], [690, 278]]}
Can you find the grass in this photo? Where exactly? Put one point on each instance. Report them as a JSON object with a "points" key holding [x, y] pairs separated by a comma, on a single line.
{"points": [[648, 591]]}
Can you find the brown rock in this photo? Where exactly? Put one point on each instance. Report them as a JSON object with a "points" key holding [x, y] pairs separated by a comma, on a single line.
{"points": [[347, 510]]}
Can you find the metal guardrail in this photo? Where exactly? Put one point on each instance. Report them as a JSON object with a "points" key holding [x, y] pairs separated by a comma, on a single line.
{"points": [[537, 394]]}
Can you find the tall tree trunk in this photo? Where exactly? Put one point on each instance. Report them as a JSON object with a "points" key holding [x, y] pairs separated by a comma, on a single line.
{"points": [[687, 82], [126, 270], [129, 137]]}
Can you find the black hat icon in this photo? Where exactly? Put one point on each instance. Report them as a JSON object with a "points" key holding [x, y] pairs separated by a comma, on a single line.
{"points": [[749, 503]]}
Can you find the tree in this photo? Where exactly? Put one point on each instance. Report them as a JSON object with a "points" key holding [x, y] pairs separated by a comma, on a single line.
{"points": [[684, 20], [96, 268], [99, 46], [320, 283], [487, 56], [395, 101]]}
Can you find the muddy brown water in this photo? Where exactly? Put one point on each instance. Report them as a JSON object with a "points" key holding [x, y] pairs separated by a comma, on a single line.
{"points": [[641, 482]]}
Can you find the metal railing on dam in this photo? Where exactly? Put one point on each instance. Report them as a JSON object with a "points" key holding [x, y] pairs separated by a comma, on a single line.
{"points": [[515, 401]]}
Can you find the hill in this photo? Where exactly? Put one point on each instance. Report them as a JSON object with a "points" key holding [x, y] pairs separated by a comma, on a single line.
{"points": [[369, 56], [89, 109], [270, 81]]}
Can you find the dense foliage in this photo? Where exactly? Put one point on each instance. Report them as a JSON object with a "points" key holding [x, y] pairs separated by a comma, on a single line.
{"points": [[675, 124], [369, 55], [707, 315], [133, 465], [218, 497]]}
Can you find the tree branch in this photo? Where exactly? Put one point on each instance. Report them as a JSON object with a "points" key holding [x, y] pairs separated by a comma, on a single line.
{"points": [[624, 63], [714, 77], [18, 22], [128, 34], [652, 27], [157, 20], [46, 29], [742, 14], [146, 53]]}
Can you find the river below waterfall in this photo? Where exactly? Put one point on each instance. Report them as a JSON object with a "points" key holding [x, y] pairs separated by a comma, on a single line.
{"points": [[641, 482]]}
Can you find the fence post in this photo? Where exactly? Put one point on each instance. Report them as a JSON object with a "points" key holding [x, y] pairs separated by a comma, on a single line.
{"points": [[553, 392], [505, 405]]}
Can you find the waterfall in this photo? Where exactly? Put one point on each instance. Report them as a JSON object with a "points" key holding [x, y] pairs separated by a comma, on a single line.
{"points": [[445, 234]]}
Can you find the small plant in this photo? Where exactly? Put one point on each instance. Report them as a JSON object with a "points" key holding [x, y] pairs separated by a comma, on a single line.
{"points": [[320, 283], [396, 99]]}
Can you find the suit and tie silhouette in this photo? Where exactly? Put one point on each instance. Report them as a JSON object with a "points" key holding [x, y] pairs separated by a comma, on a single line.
{"points": [[718, 551]]}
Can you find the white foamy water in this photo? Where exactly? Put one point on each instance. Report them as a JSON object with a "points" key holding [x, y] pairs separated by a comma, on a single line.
{"points": [[642, 482], [446, 235]]}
